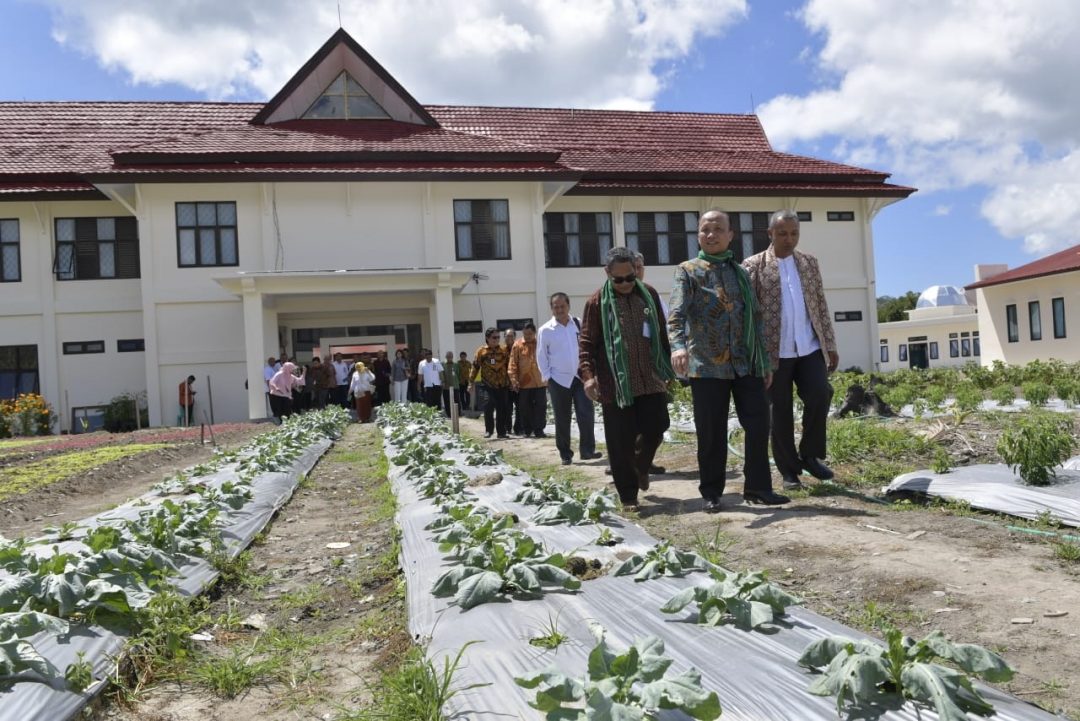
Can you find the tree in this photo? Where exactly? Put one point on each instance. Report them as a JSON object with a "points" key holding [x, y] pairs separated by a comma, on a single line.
{"points": [[891, 309]]}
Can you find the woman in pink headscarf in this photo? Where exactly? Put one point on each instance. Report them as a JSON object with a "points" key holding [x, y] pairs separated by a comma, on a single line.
{"points": [[281, 389]]}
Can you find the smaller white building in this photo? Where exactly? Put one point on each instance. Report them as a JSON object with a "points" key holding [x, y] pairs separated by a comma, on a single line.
{"points": [[942, 331]]}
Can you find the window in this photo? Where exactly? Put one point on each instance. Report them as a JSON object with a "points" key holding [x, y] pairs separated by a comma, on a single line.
{"points": [[93, 416], [96, 248], [903, 352], [132, 345], [1034, 320], [10, 266], [573, 240], [83, 347], [965, 347], [482, 229], [468, 326], [663, 238], [344, 99], [512, 323], [975, 350], [834, 215], [842, 316], [206, 235], [954, 347], [18, 370], [1057, 308], [933, 350], [1012, 324], [805, 216], [884, 352], [750, 234]]}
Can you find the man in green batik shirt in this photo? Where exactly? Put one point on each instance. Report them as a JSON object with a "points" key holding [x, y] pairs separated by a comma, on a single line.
{"points": [[717, 340]]}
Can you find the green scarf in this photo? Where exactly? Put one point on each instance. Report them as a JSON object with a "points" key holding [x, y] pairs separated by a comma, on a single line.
{"points": [[755, 344], [615, 349]]}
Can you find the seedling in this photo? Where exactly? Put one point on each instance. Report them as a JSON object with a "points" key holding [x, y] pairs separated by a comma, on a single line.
{"points": [[661, 560], [607, 537], [747, 599], [1035, 444]]}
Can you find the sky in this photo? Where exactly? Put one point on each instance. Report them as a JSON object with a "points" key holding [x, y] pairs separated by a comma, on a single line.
{"points": [[970, 101]]}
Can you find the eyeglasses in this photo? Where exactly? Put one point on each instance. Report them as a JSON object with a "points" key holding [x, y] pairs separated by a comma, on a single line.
{"points": [[624, 278]]}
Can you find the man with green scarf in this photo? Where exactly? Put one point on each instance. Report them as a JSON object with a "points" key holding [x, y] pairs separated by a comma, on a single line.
{"points": [[624, 363], [717, 340]]}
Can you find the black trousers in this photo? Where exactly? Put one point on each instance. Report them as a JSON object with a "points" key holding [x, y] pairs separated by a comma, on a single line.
{"points": [[632, 435], [495, 411], [561, 401], [281, 406], [464, 397], [513, 419], [711, 399], [432, 396], [811, 379], [446, 399], [532, 410]]}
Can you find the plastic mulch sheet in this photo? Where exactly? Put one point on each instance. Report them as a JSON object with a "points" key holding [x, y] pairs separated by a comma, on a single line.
{"points": [[997, 488], [755, 673], [35, 701]]}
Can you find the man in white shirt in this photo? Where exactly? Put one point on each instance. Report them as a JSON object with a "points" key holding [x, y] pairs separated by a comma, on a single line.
{"points": [[429, 380], [557, 356], [342, 369], [802, 347]]}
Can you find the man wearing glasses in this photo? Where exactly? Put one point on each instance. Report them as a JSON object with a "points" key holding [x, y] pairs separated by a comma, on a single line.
{"points": [[624, 363], [491, 362]]}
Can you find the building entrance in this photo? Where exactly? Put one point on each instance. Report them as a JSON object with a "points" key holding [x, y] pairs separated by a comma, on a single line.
{"points": [[918, 356]]}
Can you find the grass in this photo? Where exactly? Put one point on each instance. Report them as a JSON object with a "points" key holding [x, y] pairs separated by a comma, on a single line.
{"points": [[17, 443], [712, 547], [25, 478], [877, 616], [1067, 551], [229, 676]]}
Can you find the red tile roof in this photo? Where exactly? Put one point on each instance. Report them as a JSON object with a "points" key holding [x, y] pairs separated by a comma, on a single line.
{"points": [[1060, 262], [97, 141]]}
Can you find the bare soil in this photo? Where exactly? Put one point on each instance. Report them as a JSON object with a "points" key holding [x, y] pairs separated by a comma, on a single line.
{"points": [[869, 563]]}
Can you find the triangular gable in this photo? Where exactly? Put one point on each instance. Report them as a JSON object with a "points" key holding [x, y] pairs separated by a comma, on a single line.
{"points": [[342, 54]]}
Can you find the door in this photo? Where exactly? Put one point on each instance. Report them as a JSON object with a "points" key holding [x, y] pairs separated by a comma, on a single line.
{"points": [[918, 357]]}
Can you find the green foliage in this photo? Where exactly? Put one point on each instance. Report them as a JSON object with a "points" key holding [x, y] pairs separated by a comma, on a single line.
{"points": [[626, 686], [747, 599], [17, 654], [890, 309], [564, 502], [967, 397], [661, 560], [80, 674], [942, 462], [1035, 393], [608, 537], [1066, 389], [864, 674], [1035, 443], [551, 637], [1004, 394], [229, 676], [120, 413], [1067, 551], [854, 439]]}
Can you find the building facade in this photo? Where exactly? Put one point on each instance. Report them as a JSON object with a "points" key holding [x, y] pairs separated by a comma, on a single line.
{"points": [[941, 331], [143, 242]]}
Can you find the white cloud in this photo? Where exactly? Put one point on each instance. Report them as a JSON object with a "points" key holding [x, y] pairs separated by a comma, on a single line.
{"points": [[506, 52], [942, 210], [952, 94]]}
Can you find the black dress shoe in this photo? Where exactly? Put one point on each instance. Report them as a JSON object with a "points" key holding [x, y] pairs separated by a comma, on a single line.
{"points": [[712, 504], [655, 469], [541, 434], [488, 434], [566, 461], [791, 482], [765, 499], [817, 469], [590, 456]]}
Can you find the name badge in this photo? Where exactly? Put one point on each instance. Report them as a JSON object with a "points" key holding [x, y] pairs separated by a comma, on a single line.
{"points": [[645, 330]]}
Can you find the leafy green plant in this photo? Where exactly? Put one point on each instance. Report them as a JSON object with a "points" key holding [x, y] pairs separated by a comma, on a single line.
{"points": [[17, 654], [551, 637], [1035, 443], [1035, 393], [942, 462], [660, 560], [607, 537], [80, 674], [966, 400], [747, 599], [862, 673], [514, 565], [1003, 394], [631, 685]]}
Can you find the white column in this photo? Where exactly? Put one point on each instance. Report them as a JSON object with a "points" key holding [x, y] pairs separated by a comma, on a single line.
{"points": [[442, 322], [539, 266], [254, 348]]}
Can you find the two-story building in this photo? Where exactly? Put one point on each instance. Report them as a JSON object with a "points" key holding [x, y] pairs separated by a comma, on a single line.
{"points": [[145, 241]]}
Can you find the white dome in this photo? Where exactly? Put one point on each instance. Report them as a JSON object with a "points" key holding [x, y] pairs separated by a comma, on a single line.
{"points": [[939, 295]]}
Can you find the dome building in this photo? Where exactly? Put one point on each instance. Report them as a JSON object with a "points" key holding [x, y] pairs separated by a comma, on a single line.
{"points": [[941, 331]]}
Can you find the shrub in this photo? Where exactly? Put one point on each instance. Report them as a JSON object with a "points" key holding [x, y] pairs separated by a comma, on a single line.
{"points": [[1035, 392], [968, 397], [27, 415], [1035, 443], [1065, 388], [120, 413], [1003, 394]]}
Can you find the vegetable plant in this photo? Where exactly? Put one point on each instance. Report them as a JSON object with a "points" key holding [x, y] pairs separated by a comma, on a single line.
{"points": [[1035, 393], [1003, 394], [514, 565], [564, 502], [607, 537], [1035, 443], [661, 560], [747, 599], [630, 686], [863, 673], [17, 654]]}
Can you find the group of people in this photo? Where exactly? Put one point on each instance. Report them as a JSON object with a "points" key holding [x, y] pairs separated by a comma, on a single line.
{"points": [[748, 332], [293, 388]]}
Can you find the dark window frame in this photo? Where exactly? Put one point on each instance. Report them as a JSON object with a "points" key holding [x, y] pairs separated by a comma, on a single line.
{"points": [[6, 243], [84, 347], [646, 238], [468, 326], [85, 248], [883, 353], [965, 347], [131, 345], [1057, 312], [901, 354], [805, 216], [199, 227], [517, 324], [1012, 323], [847, 316], [934, 355], [25, 357], [757, 234], [1034, 320], [954, 347], [591, 249], [844, 216], [485, 240], [976, 349]]}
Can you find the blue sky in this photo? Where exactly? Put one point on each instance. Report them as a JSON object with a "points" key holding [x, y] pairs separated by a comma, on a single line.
{"points": [[823, 82]]}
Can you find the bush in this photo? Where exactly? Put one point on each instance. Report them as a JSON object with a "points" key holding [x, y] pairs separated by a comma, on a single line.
{"points": [[1035, 443], [1004, 395], [120, 413], [1035, 392], [1065, 389], [968, 396], [27, 415]]}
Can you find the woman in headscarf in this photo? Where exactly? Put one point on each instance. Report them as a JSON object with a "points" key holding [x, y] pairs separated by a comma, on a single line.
{"points": [[360, 388], [281, 390]]}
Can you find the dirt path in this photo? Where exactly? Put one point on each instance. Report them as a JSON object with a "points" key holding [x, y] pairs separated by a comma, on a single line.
{"points": [[868, 564]]}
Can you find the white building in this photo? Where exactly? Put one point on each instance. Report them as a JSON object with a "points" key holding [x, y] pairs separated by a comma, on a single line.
{"points": [[941, 331], [142, 242]]}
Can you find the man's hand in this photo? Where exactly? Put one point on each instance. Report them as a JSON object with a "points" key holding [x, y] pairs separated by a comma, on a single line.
{"points": [[834, 360], [680, 362], [592, 389]]}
